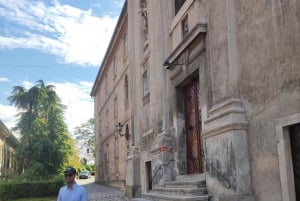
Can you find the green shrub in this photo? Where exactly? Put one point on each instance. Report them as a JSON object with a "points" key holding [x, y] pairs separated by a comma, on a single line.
{"points": [[15, 189]]}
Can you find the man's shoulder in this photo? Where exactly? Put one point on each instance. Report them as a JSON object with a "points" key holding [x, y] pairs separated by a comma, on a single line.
{"points": [[79, 186], [63, 187]]}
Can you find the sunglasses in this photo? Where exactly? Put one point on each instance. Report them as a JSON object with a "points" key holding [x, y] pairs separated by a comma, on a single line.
{"points": [[68, 175]]}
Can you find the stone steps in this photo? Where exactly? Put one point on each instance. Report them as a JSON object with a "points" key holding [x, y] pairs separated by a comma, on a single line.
{"points": [[162, 197], [189, 188], [186, 184], [180, 191]]}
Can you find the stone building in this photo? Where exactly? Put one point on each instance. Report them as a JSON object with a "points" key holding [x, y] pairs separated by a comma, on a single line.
{"points": [[112, 107], [214, 99], [8, 144]]}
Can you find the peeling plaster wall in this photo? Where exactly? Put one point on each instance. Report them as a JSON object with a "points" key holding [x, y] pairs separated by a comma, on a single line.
{"points": [[256, 58], [269, 48]]}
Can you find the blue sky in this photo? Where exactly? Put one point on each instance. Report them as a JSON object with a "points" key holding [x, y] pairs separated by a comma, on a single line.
{"points": [[59, 41]]}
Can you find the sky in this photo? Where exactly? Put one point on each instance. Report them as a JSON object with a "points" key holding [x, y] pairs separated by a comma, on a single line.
{"points": [[61, 42]]}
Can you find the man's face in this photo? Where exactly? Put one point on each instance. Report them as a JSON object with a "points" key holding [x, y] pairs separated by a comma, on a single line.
{"points": [[70, 178]]}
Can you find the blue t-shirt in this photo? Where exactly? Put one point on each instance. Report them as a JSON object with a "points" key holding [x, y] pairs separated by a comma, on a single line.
{"points": [[77, 193]]}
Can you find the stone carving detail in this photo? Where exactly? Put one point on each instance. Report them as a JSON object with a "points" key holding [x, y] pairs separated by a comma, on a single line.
{"points": [[143, 12]]}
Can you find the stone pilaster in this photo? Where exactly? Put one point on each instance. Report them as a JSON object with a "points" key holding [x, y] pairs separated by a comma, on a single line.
{"points": [[133, 177], [226, 150]]}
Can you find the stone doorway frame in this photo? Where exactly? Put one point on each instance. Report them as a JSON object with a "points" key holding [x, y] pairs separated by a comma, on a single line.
{"points": [[285, 156]]}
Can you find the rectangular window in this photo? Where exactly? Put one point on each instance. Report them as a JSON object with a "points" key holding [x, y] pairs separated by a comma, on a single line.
{"points": [[125, 46], [106, 116], [106, 85], [115, 110], [115, 67], [145, 83], [100, 127], [126, 96], [185, 27], [116, 147], [178, 5], [107, 152]]}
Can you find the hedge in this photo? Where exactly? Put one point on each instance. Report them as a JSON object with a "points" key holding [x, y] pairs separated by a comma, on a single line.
{"points": [[14, 190]]}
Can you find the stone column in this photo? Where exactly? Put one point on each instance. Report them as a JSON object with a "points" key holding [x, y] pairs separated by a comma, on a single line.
{"points": [[225, 129], [133, 169]]}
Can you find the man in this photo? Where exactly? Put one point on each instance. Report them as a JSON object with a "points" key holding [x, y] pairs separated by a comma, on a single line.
{"points": [[72, 191]]}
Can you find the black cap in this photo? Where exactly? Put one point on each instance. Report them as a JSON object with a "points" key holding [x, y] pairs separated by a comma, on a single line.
{"points": [[70, 170]]}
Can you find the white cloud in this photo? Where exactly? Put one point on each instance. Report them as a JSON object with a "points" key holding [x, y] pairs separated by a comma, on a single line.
{"points": [[7, 115], [80, 106], [74, 35], [4, 79], [26, 84]]}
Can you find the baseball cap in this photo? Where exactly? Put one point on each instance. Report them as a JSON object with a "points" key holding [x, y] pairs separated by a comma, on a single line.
{"points": [[70, 170]]}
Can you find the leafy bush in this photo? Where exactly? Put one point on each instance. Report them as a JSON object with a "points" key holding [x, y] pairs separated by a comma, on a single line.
{"points": [[15, 189], [89, 167]]}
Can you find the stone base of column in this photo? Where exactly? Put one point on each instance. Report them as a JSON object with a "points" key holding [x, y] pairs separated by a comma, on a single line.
{"points": [[232, 198], [133, 191], [133, 186], [227, 162]]}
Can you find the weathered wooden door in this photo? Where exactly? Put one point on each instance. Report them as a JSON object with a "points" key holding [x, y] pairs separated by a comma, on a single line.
{"points": [[193, 127]]}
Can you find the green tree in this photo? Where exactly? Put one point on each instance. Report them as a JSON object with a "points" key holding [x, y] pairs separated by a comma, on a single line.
{"points": [[85, 133], [43, 148]]}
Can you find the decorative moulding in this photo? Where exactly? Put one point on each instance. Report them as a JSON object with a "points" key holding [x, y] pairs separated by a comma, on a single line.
{"points": [[198, 29], [226, 116]]}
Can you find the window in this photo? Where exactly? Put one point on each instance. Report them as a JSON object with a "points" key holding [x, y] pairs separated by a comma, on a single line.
{"points": [[107, 152], [185, 27], [127, 135], [126, 91], [115, 67], [115, 110], [106, 85], [144, 14], [116, 147], [145, 83], [125, 46], [178, 5], [106, 116]]}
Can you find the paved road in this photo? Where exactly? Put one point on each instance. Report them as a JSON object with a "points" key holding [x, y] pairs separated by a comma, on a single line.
{"points": [[101, 193]]}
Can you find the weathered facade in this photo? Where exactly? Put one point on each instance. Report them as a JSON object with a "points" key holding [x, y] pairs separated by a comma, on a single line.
{"points": [[214, 93], [8, 144], [113, 106]]}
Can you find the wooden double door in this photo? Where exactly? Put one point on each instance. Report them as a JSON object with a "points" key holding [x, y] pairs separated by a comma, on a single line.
{"points": [[193, 129]]}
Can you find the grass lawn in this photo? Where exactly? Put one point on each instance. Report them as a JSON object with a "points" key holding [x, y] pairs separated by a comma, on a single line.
{"points": [[37, 199]]}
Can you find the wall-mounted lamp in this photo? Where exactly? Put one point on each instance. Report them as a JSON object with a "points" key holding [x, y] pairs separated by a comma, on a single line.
{"points": [[119, 127], [167, 64]]}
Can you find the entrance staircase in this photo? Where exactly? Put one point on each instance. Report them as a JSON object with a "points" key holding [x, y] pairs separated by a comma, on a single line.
{"points": [[187, 187]]}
